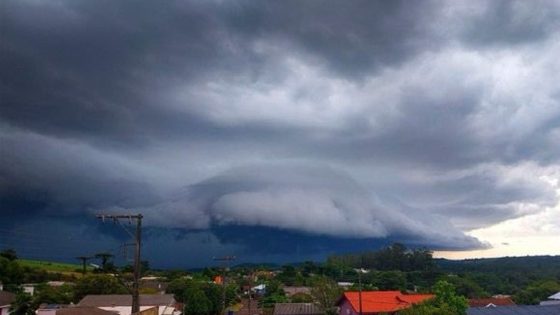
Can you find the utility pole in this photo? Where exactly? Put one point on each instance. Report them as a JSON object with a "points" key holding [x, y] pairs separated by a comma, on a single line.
{"points": [[360, 283], [251, 276], [138, 237], [225, 260], [84, 260]]}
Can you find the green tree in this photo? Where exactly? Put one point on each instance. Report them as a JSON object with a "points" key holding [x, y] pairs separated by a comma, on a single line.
{"points": [[301, 297], [9, 254], [537, 291], [11, 273], [196, 302], [23, 305], [326, 292], [53, 295], [98, 284], [447, 298], [467, 287], [446, 302]]}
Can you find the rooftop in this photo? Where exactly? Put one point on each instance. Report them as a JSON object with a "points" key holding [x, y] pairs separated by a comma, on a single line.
{"points": [[383, 301], [79, 310], [491, 301], [6, 298], [126, 300], [515, 310], [296, 309]]}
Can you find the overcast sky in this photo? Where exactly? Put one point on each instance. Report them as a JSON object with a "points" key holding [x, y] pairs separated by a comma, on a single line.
{"points": [[280, 130]]}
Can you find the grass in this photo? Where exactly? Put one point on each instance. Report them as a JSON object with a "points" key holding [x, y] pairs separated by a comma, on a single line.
{"points": [[51, 266]]}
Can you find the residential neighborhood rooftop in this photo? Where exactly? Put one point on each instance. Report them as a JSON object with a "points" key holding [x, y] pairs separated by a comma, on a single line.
{"points": [[6, 298], [382, 301], [491, 302], [296, 309], [516, 310], [126, 300], [86, 310]]}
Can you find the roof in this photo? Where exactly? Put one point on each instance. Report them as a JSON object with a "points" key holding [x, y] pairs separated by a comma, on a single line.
{"points": [[6, 298], [516, 310], [555, 296], [79, 310], [383, 301], [294, 290], [491, 301], [259, 287], [296, 309], [126, 300]]}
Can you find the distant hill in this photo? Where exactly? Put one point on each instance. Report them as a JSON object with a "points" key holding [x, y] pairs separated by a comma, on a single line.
{"points": [[544, 265]]}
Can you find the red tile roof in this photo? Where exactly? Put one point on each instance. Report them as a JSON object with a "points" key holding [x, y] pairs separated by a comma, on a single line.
{"points": [[488, 301], [383, 301]]}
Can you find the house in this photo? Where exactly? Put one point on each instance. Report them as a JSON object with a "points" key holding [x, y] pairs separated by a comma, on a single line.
{"points": [[345, 285], [552, 300], [49, 309], [290, 291], [6, 299], [378, 302], [71, 310], [516, 310], [154, 284], [259, 289], [122, 303], [79, 310], [297, 309], [491, 302], [29, 288]]}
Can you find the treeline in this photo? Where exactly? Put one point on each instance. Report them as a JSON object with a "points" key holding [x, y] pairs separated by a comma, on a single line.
{"points": [[394, 257]]}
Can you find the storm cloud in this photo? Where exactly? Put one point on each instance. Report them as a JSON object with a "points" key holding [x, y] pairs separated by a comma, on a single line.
{"points": [[371, 120]]}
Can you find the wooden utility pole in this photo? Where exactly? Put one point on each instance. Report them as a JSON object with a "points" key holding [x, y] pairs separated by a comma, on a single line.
{"points": [[138, 237], [360, 282], [225, 260]]}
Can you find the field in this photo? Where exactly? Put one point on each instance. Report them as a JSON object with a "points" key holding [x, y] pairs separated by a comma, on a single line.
{"points": [[52, 266]]}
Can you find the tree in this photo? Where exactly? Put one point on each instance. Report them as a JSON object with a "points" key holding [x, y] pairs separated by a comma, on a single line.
{"points": [[196, 302], [104, 259], [9, 254], [22, 305], [446, 302], [53, 295], [446, 297], [326, 292], [11, 274], [537, 291], [301, 297], [98, 284]]}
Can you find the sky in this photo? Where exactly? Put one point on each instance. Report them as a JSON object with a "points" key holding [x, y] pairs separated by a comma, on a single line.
{"points": [[279, 131]]}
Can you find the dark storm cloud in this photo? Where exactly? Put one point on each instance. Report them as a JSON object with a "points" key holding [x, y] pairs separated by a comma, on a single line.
{"points": [[411, 120], [511, 23], [352, 37]]}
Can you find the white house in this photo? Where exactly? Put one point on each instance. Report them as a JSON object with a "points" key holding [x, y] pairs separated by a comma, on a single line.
{"points": [[552, 300]]}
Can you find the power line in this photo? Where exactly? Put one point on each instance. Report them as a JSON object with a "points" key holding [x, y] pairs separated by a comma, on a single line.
{"points": [[138, 238]]}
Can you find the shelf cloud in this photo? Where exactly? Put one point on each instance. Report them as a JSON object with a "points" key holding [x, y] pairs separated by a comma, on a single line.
{"points": [[412, 121]]}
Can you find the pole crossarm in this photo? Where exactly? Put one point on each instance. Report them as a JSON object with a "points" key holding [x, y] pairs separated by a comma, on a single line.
{"points": [[138, 244], [225, 260]]}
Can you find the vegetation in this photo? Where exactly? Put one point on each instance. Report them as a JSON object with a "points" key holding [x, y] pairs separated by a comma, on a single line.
{"points": [[52, 267], [528, 280]]}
